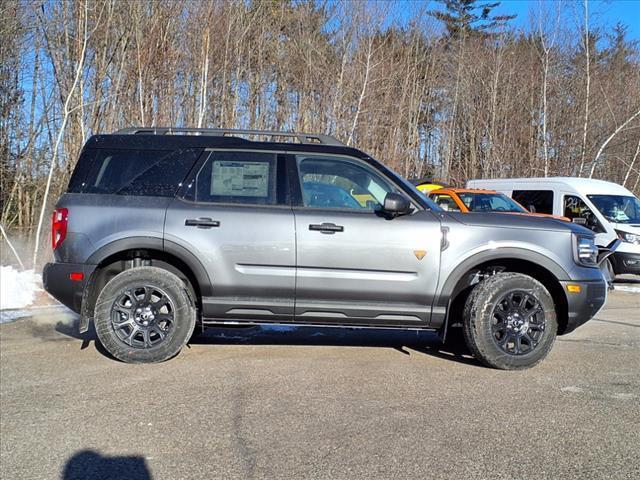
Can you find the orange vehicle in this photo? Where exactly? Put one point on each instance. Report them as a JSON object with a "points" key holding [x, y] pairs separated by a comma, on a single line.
{"points": [[470, 200]]}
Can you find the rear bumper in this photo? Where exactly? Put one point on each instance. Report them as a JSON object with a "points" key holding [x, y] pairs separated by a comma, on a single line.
{"points": [[57, 281], [624, 262], [584, 305]]}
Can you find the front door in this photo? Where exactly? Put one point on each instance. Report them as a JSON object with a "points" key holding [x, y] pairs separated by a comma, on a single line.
{"points": [[354, 265], [235, 218]]}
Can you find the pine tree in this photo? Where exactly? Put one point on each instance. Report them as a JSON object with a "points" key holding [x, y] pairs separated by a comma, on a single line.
{"points": [[468, 17]]}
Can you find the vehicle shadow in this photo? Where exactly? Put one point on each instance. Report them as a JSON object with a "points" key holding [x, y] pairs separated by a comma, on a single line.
{"points": [[627, 280], [90, 465], [71, 329], [403, 341]]}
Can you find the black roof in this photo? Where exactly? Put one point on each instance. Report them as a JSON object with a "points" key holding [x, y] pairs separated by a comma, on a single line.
{"points": [[169, 142]]}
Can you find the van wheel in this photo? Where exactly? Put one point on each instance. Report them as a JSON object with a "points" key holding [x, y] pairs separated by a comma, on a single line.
{"points": [[510, 321], [144, 315]]}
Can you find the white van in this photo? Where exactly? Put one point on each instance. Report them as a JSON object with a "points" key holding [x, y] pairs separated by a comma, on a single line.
{"points": [[608, 209]]}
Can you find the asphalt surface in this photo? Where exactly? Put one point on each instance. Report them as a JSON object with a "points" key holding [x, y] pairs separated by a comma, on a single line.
{"points": [[319, 403]]}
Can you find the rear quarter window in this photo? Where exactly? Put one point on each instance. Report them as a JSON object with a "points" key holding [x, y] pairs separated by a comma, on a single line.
{"points": [[134, 172]]}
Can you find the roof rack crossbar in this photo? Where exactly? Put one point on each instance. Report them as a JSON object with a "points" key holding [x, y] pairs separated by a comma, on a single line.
{"points": [[305, 138]]}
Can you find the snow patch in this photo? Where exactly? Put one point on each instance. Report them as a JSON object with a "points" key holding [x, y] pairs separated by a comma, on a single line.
{"points": [[626, 288], [18, 288], [8, 316]]}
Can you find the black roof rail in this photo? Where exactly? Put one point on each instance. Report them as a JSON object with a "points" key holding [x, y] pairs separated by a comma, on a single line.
{"points": [[305, 138]]}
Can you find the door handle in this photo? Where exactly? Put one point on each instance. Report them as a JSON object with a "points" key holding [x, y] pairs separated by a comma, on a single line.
{"points": [[329, 228], [201, 222]]}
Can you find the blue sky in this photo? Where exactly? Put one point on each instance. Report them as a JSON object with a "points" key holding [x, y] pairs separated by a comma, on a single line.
{"points": [[603, 13]]}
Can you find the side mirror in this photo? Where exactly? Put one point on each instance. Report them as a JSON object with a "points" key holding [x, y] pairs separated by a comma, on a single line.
{"points": [[396, 204]]}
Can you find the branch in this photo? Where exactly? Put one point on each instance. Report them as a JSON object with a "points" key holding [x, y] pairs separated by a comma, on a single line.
{"points": [[606, 142]]}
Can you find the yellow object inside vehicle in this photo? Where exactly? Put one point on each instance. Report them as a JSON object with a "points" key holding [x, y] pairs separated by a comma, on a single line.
{"points": [[363, 198]]}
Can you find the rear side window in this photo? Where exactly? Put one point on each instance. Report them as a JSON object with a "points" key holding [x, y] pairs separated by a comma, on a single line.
{"points": [[536, 201], [246, 178], [132, 172]]}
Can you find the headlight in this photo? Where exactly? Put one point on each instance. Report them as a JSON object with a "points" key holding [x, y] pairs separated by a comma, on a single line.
{"points": [[629, 237], [585, 251]]}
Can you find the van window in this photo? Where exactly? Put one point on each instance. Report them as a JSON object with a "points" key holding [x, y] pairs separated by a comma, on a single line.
{"points": [[617, 208], [136, 172], [536, 201], [575, 208]]}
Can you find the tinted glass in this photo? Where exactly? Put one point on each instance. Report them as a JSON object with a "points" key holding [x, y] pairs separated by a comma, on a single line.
{"points": [[237, 177], [82, 170], [333, 182], [579, 212], [618, 208], [131, 172], [536, 201], [490, 202]]}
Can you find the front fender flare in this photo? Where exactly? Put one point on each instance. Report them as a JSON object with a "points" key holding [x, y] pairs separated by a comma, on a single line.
{"points": [[450, 287]]}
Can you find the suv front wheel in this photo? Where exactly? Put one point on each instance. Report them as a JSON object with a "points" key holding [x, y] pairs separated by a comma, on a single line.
{"points": [[144, 315], [510, 321]]}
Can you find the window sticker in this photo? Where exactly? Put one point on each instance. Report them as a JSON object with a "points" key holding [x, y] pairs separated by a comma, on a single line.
{"points": [[240, 179]]}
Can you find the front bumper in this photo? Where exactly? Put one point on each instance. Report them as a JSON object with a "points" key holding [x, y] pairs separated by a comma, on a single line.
{"points": [[624, 262], [56, 278], [584, 305]]}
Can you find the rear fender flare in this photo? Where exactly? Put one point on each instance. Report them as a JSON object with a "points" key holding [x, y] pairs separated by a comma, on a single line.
{"points": [[156, 243]]}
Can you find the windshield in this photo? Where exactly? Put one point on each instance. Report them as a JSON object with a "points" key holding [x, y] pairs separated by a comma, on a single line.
{"points": [[617, 208], [490, 202]]}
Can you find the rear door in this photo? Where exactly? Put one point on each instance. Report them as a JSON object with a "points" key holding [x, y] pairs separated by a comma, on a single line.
{"points": [[235, 218], [354, 265]]}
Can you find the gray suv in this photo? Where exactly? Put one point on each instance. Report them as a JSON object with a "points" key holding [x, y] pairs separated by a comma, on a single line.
{"points": [[164, 229]]}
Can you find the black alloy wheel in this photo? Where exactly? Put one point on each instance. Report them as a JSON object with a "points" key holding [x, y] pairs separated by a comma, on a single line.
{"points": [[518, 323]]}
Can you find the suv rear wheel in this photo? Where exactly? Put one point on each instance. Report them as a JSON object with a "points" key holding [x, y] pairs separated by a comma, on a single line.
{"points": [[144, 315], [510, 321]]}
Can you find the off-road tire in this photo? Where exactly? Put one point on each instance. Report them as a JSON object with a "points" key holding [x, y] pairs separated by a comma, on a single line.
{"points": [[478, 321], [183, 314]]}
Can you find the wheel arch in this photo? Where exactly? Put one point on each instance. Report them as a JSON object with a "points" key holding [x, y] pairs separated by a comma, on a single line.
{"points": [[117, 256], [459, 283]]}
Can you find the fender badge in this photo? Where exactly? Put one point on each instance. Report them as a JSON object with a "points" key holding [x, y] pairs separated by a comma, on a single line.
{"points": [[419, 254]]}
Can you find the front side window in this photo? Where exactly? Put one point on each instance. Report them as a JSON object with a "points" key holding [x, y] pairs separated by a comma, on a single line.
{"points": [[490, 202], [444, 201], [578, 211], [618, 208], [536, 201], [341, 183], [247, 178]]}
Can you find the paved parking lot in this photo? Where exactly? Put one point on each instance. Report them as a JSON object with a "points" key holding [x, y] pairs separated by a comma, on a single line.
{"points": [[313, 403]]}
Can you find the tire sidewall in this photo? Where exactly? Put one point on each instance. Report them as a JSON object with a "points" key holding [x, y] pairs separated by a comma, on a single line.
{"points": [[184, 315], [479, 321]]}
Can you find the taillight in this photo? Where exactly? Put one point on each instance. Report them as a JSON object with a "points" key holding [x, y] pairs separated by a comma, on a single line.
{"points": [[59, 226]]}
